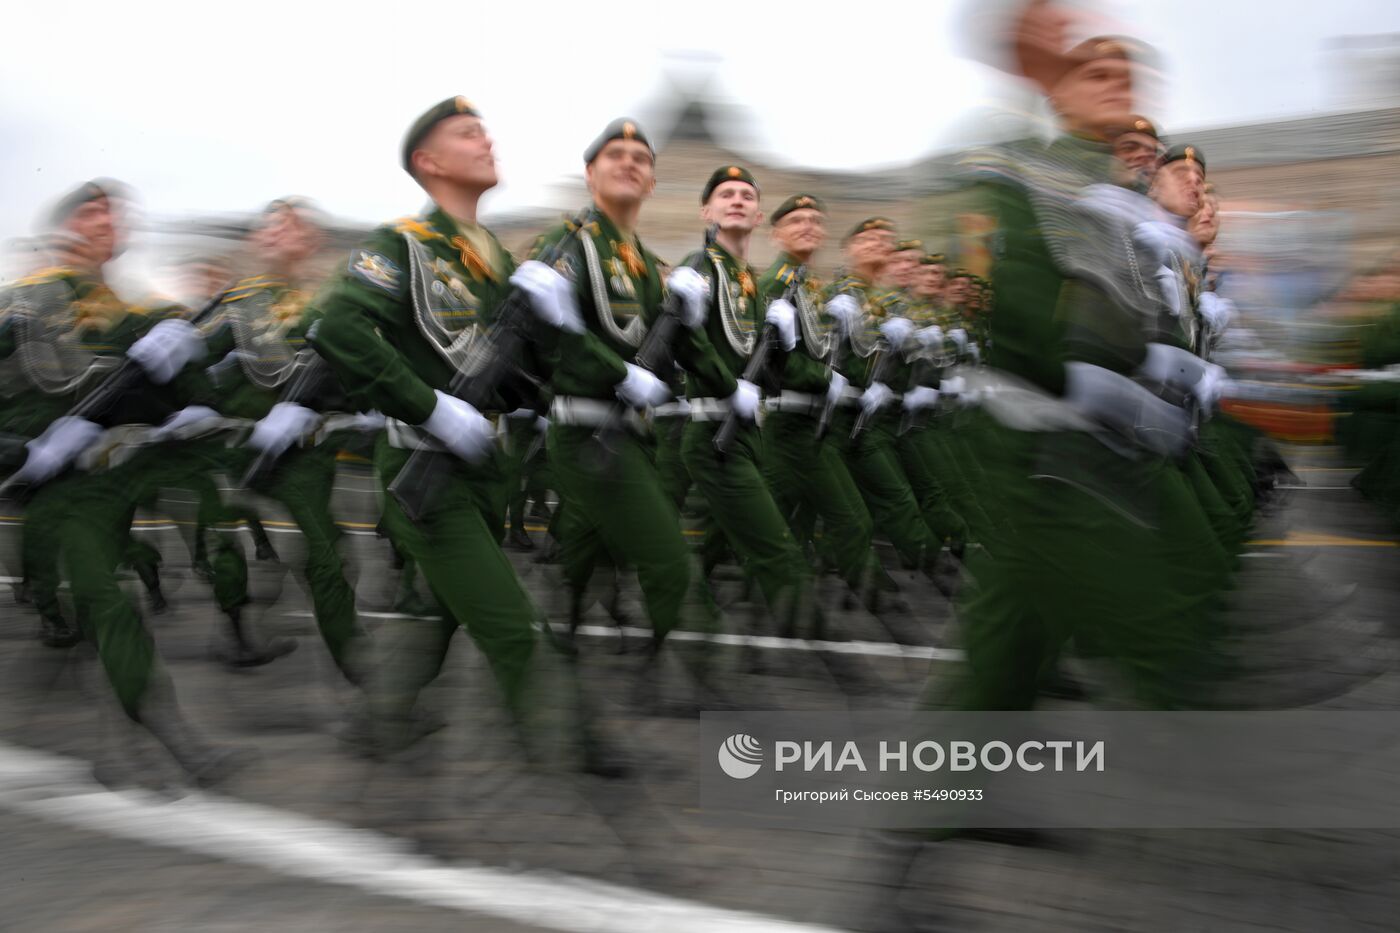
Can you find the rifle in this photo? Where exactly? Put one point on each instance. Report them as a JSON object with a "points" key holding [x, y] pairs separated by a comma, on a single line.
{"points": [[420, 480], [99, 403], [916, 378], [313, 377], [654, 352], [883, 367], [757, 364]]}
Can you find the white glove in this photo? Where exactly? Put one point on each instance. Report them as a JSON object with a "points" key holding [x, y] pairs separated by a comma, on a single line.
{"points": [[167, 348], [57, 447], [920, 397], [694, 293], [1211, 386], [836, 387], [959, 337], [460, 428], [282, 427], [931, 336], [897, 330], [367, 422], [641, 388], [551, 295], [954, 385], [185, 423], [744, 401], [974, 351], [783, 316], [846, 311], [1216, 311], [874, 398]]}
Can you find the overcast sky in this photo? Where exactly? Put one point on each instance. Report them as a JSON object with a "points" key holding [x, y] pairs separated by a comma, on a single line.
{"points": [[221, 107]]}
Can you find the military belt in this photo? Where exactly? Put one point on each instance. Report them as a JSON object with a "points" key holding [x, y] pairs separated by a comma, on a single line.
{"points": [[577, 411], [709, 409]]}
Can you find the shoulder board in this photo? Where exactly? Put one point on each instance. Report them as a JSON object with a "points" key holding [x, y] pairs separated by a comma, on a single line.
{"points": [[249, 286], [415, 226], [43, 276], [785, 274]]}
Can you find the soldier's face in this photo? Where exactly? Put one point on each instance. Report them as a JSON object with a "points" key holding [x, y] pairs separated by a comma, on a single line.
{"points": [[871, 248], [1096, 97], [957, 290], [1179, 187], [902, 267], [287, 238], [96, 225], [623, 171], [1205, 223], [1137, 151], [801, 232], [734, 206], [931, 280], [460, 151]]}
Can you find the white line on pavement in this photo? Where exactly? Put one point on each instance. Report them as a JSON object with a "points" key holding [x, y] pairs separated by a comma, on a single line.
{"points": [[56, 789], [865, 648]]}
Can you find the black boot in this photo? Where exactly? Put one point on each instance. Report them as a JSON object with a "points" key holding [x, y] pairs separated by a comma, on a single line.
{"points": [[262, 545], [206, 763], [242, 648], [157, 600], [55, 632], [518, 539]]}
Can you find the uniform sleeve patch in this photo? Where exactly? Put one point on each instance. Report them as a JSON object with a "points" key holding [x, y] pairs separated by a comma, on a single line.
{"points": [[376, 269]]}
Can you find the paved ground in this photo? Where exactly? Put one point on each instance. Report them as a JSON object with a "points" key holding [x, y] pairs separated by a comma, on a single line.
{"points": [[461, 834]]}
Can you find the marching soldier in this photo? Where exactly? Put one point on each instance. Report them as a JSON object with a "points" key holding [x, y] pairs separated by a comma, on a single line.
{"points": [[615, 504], [403, 315], [739, 499], [806, 471]]}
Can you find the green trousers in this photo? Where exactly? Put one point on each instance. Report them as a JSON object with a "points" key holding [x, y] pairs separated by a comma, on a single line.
{"points": [[617, 507], [303, 482], [743, 509], [879, 475], [456, 548], [810, 480], [1110, 551]]}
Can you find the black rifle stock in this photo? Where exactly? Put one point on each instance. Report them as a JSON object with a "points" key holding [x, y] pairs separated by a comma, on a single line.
{"points": [[653, 354]]}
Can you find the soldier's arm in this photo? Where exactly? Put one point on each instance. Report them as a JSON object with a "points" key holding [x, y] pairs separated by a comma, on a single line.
{"points": [[696, 353], [367, 300], [594, 368]]}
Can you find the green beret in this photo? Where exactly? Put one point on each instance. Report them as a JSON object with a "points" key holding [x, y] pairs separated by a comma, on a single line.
{"points": [[1109, 47], [726, 173], [934, 259], [960, 274], [621, 128], [87, 191], [796, 203], [872, 223], [1185, 153], [431, 118], [904, 246], [1137, 124]]}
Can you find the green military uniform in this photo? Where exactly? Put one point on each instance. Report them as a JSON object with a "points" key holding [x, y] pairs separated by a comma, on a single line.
{"points": [[616, 504], [1086, 540], [739, 499], [43, 391], [396, 323], [262, 319], [804, 471], [872, 457]]}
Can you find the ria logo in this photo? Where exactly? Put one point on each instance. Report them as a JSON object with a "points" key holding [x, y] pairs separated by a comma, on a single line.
{"points": [[740, 756]]}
